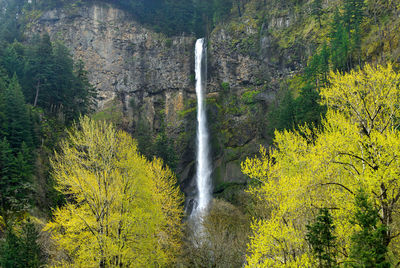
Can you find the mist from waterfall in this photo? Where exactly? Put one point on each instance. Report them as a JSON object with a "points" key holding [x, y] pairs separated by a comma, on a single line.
{"points": [[203, 172]]}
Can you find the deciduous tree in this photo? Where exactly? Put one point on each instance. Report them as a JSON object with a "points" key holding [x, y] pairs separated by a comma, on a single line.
{"points": [[357, 146], [122, 210]]}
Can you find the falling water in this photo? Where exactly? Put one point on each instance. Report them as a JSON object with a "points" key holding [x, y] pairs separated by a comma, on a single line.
{"points": [[203, 165]]}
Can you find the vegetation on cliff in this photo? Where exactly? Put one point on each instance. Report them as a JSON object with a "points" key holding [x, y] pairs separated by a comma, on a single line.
{"points": [[171, 17]]}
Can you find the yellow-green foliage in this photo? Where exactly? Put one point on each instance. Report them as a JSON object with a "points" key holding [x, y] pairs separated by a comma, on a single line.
{"points": [[122, 210], [358, 146]]}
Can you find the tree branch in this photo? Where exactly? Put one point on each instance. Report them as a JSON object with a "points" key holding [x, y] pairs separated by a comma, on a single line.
{"points": [[338, 184], [348, 164], [360, 158]]}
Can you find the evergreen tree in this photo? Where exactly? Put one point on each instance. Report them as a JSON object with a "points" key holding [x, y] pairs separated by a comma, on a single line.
{"points": [[39, 72], [321, 239], [52, 83], [6, 180], [13, 59], [15, 123], [164, 148], [318, 68], [353, 14], [10, 27], [15, 179], [339, 44], [317, 10], [62, 93], [10, 250], [30, 251], [353, 17], [144, 138], [324, 64], [308, 107], [368, 248], [84, 96], [16, 158], [20, 249], [283, 115]]}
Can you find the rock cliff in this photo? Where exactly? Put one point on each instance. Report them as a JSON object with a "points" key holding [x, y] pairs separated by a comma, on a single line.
{"points": [[149, 76]]}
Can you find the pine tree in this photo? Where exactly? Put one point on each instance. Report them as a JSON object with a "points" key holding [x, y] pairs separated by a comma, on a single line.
{"points": [[339, 44], [353, 17], [164, 148], [15, 179], [6, 180], [285, 113], [39, 73], [15, 124], [308, 107], [12, 59], [321, 239], [30, 251], [368, 248], [51, 81], [85, 94], [20, 249], [317, 10], [10, 250]]}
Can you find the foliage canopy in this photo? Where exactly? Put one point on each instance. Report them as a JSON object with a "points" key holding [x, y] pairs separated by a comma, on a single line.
{"points": [[122, 210], [357, 146]]}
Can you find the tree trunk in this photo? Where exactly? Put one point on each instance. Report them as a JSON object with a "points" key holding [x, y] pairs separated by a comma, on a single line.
{"points": [[37, 94], [238, 6]]}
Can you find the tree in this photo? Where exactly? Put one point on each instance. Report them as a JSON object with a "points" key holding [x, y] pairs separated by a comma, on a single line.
{"points": [[53, 82], [357, 146], [10, 28], [15, 180], [16, 160], [321, 239], [164, 148], [20, 248], [368, 247], [13, 59], [317, 69], [317, 10], [353, 17], [121, 210], [39, 72], [340, 44], [283, 114], [15, 123]]}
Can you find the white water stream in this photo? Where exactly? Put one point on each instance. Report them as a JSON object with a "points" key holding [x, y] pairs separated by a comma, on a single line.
{"points": [[203, 172]]}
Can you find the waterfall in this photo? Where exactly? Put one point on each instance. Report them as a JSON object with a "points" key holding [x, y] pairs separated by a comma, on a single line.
{"points": [[203, 163]]}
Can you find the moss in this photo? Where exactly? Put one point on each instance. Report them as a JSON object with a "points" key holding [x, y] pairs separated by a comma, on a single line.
{"points": [[248, 96], [185, 112], [225, 87]]}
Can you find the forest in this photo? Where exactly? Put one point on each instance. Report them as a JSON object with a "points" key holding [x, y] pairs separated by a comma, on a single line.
{"points": [[89, 185]]}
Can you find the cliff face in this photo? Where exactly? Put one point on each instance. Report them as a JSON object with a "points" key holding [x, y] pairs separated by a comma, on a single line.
{"points": [[125, 61], [146, 75]]}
